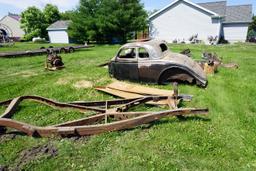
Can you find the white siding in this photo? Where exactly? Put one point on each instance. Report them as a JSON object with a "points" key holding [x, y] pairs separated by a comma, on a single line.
{"points": [[13, 26], [235, 32], [183, 20], [58, 36]]}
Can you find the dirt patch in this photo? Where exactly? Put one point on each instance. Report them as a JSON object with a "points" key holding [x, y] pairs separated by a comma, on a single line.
{"points": [[7, 137], [63, 81], [83, 139], [24, 74], [33, 154], [83, 84], [3, 168]]}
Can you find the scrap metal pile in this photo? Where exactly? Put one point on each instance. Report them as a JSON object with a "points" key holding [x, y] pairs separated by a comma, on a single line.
{"points": [[152, 61], [53, 61], [110, 115], [213, 59], [210, 61]]}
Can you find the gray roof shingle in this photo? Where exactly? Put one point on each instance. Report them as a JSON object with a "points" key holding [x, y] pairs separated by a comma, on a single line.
{"points": [[238, 13], [241, 13], [61, 24], [217, 7], [230, 14]]}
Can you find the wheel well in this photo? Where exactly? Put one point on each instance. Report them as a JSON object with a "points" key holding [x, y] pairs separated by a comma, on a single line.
{"points": [[175, 74]]}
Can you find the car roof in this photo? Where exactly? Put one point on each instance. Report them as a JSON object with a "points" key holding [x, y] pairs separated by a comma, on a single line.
{"points": [[154, 43], [153, 47]]}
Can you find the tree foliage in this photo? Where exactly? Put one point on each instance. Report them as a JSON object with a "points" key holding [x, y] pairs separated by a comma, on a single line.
{"points": [[103, 20], [252, 29], [67, 15], [251, 33], [253, 24], [34, 21], [51, 13]]}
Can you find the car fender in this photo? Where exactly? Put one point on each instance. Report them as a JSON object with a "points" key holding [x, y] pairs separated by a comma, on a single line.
{"points": [[186, 70]]}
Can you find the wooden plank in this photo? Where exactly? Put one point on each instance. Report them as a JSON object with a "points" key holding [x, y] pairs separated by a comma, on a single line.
{"points": [[118, 93], [138, 89], [127, 95]]}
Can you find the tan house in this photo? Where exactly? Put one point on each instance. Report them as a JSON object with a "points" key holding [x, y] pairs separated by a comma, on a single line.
{"points": [[10, 26]]}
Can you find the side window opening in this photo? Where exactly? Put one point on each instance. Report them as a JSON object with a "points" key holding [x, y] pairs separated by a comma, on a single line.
{"points": [[163, 47], [127, 53], [143, 53]]}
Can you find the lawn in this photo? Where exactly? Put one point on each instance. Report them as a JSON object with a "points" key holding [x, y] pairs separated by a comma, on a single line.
{"points": [[224, 140]]}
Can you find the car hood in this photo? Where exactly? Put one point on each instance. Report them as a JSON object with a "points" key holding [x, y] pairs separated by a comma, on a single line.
{"points": [[192, 66]]}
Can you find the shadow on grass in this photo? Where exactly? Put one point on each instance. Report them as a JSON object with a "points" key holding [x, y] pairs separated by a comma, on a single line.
{"points": [[180, 119], [84, 50], [145, 127]]}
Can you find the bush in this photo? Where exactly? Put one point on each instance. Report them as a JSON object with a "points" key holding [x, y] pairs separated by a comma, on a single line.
{"points": [[251, 36], [222, 40], [40, 41]]}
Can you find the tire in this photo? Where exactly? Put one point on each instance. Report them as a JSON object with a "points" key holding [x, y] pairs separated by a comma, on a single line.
{"points": [[63, 50], [71, 50]]}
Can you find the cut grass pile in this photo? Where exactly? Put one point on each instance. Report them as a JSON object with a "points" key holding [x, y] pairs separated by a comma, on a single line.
{"points": [[224, 140]]}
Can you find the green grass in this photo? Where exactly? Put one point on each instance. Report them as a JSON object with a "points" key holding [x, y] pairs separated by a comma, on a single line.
{"points": [[224, 140]]}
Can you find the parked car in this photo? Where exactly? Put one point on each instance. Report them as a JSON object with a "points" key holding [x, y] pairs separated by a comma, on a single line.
{"points": [[152, 61]]}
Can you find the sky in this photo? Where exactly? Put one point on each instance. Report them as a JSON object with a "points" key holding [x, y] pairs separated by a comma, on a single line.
{"points": [[17, 6]]}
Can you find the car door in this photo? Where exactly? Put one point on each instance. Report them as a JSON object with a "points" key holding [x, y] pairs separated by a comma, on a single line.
{"points": [[144, 65], [126, 64]]}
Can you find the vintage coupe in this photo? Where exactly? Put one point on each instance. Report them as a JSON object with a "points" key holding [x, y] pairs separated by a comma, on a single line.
{"points": [[152, 61]]}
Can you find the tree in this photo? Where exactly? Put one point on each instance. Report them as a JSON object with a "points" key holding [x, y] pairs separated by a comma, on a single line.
{"points": [[32, 22], [103, 20], [35, 22], [251, 33], [252, 30], [253, 24], [51, 13], [67, 15], [83, 27], [129, 16]]}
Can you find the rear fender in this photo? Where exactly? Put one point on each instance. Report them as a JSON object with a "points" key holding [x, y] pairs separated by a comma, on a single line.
{"points": [[184, 73]]}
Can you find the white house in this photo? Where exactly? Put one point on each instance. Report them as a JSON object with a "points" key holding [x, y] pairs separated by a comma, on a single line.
{"points": [[182, 19], [10, 26], [58, 32]]}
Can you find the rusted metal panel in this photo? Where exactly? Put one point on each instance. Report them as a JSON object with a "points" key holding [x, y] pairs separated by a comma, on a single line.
{"points": [[152, 61], [95, 124], [53, 62], [211, 62]]}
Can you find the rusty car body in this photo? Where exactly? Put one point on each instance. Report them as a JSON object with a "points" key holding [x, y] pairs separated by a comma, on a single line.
{"points": [[152, 61]]}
